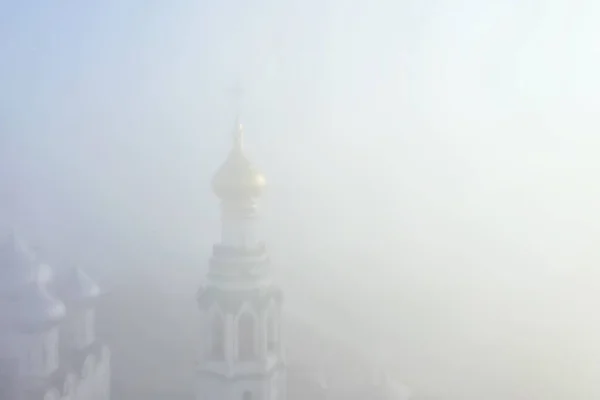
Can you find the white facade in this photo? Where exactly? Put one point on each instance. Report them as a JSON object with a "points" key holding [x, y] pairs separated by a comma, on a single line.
{"points": [[241, 353], [33, 367], [48, 349], [91, 383]]}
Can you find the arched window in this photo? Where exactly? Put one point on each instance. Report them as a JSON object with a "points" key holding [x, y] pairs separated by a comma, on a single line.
{"points": [[271, 334], [247, 395], [218, 338], [246, 342]]}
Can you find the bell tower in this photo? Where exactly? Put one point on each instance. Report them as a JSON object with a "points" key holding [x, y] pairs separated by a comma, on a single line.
{"points": [[241, 355]]}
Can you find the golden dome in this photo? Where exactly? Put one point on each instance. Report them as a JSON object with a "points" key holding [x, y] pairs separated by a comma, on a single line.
{"points": [[237, 178]]}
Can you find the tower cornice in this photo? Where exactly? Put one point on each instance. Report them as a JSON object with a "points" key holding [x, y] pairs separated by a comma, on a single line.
{"points": [[232, 301]]}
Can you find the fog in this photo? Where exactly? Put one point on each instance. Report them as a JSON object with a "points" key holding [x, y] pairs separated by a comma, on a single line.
{"points": [[432, 167]]}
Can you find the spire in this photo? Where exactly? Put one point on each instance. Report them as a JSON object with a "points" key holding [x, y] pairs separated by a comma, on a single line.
{"points": [[78, 287], [237, 179], [238, 135], [237, 92], [26, 281]]}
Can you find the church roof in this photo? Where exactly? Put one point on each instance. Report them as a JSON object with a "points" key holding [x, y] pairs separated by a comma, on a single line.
{"points": [[77, 287], [72, 364], [36, 306], [24, 287], [237, 178]]}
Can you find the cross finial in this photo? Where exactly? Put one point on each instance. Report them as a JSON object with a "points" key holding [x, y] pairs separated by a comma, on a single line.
{"points": [[238, 136], [238, 92]]}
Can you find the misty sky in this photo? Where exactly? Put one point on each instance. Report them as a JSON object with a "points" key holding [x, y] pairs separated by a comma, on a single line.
{"points": [[438, 157]]}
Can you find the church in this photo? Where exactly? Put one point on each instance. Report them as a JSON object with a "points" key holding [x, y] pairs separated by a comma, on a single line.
{"points": [[49, 350], [48, 346], [243, 346], [242, 356]]}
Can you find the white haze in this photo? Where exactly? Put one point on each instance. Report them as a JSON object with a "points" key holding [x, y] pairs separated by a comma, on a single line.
{"points": [[433, 165]]}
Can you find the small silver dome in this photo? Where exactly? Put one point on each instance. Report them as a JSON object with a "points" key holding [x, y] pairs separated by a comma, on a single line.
{"points": [[36, 306], [77, 287], [24, 286]]}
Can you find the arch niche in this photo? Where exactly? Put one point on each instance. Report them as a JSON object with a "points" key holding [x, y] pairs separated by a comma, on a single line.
{"points": [[246, 337]]}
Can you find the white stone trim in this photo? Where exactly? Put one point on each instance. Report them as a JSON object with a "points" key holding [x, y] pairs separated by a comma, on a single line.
{"points": [[239, 285]]}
